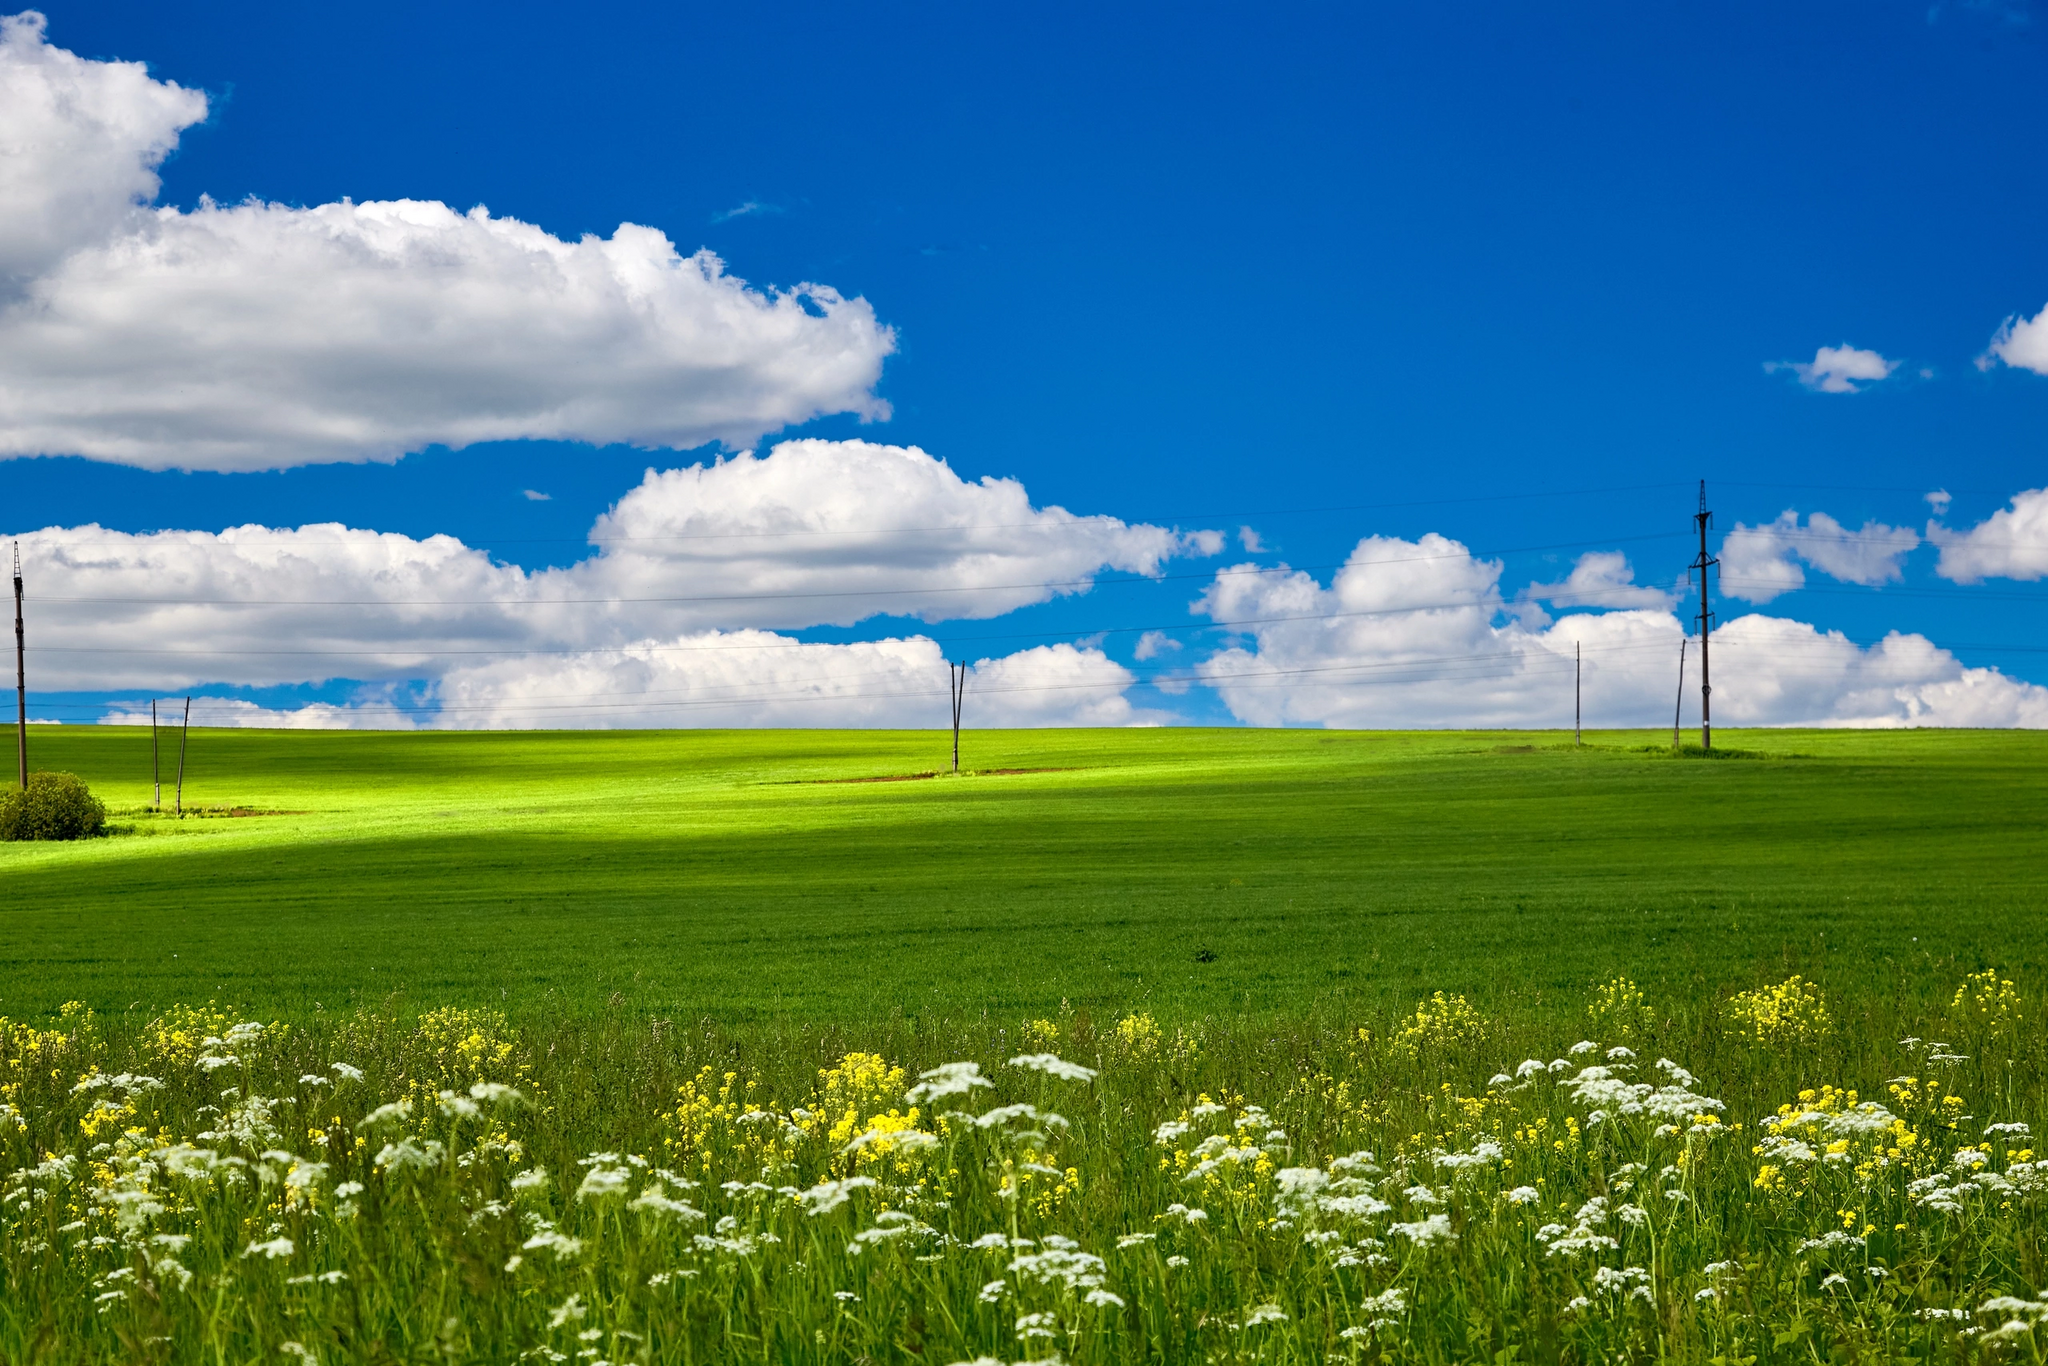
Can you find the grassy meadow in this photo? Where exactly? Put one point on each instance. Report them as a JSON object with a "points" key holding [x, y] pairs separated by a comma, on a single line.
{"points": [[737, 875], [1172, 1046]]}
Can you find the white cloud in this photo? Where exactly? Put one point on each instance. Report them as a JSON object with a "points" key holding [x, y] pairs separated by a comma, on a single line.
{"points": [[1602, 578], [742, 678], [1409, 635], [236, 713], [81, 145], [536, 496], [1152, 644], [857, 528], [2011, 543], [813, 533], [1758, 562], [2021, 343], [1837, 369], [1249, 539], [262, 336]]}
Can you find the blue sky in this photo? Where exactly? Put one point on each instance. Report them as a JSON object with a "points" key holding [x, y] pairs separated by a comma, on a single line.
{"points": [[1509, 275]]}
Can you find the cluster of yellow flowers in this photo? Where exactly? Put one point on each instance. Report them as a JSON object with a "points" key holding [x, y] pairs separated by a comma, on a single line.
{"points": [[173, 1039], [1440, 1024], [1792, 1014], [1987, 1009], [1620, 1012]]}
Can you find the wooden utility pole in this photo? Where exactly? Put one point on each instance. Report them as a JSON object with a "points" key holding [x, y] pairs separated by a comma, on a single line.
{"points": [[20, 678], [1703, 519], [156, 768], [1679, 705], [1578, 693], [183, 731], [956, 684]]}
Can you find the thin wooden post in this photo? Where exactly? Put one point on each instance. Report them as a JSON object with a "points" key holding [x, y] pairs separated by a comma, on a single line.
{"points": [[156, 768], [1679, 705], [183, 731]]}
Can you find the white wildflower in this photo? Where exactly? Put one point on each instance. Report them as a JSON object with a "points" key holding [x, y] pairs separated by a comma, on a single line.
{"points": [[948, 1079], [1054, 1066], [827, 1196], [1426, 1232]]}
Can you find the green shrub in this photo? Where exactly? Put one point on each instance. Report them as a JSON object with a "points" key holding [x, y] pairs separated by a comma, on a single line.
{"points": [[54, 806]]}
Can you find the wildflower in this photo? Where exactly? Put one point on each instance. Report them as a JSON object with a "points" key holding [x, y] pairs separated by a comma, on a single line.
{"points": [[1103, 1299], [1054, 1066], [1135, 1239], [1176, 1260], [1426, 1232], [1265, 1313], [992, 1291], [410, 1153], [345, 1072], [570, 1310], [272, 1250], [1040, 1325], [1790, 1015], [601, 1181], [1524, 1195], [827, 1196], [553, 1240], [533, 1178], [948, 1079], [395, 1112]]}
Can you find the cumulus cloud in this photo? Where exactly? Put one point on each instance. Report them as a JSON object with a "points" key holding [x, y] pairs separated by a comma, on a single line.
{"points": [[738, 678], [1409, 635], [1152, 644], [813, 533], [1837, 369], [847, 529], [757, 678], [1602, 578], [1759, 563], [2021, 343], [81, 145], [237, 713], [262, 336], [2011, 543]]}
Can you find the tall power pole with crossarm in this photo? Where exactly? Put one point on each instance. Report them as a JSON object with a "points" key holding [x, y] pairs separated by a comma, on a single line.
{"points": [[1703, 519]]}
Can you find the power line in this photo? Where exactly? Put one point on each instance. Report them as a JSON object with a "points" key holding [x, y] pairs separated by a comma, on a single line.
{"points": [[1085, 582], [1041, 523]]}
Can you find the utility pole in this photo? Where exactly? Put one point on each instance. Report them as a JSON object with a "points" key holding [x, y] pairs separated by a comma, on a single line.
{"points": [[20, 678], [1578, 692], [1703, 519], [183, 731], [956, 683], [156, 768], [1683, 641]]}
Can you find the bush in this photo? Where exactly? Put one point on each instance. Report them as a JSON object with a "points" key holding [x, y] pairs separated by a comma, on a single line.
{"points": [[54, 806]]}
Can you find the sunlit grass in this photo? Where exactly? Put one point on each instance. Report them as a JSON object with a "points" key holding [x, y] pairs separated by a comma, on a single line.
{"points": [[1214, 872]]}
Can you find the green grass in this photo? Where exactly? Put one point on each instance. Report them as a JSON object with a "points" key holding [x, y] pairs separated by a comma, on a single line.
{"points": [[714, 874]]}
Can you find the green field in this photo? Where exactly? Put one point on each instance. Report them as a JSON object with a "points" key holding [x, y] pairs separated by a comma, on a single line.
{"points": [[1168, 1046], [736, 875]]}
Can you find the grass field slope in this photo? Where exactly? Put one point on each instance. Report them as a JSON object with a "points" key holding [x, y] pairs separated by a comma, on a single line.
{"points": [[754, 875]]}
